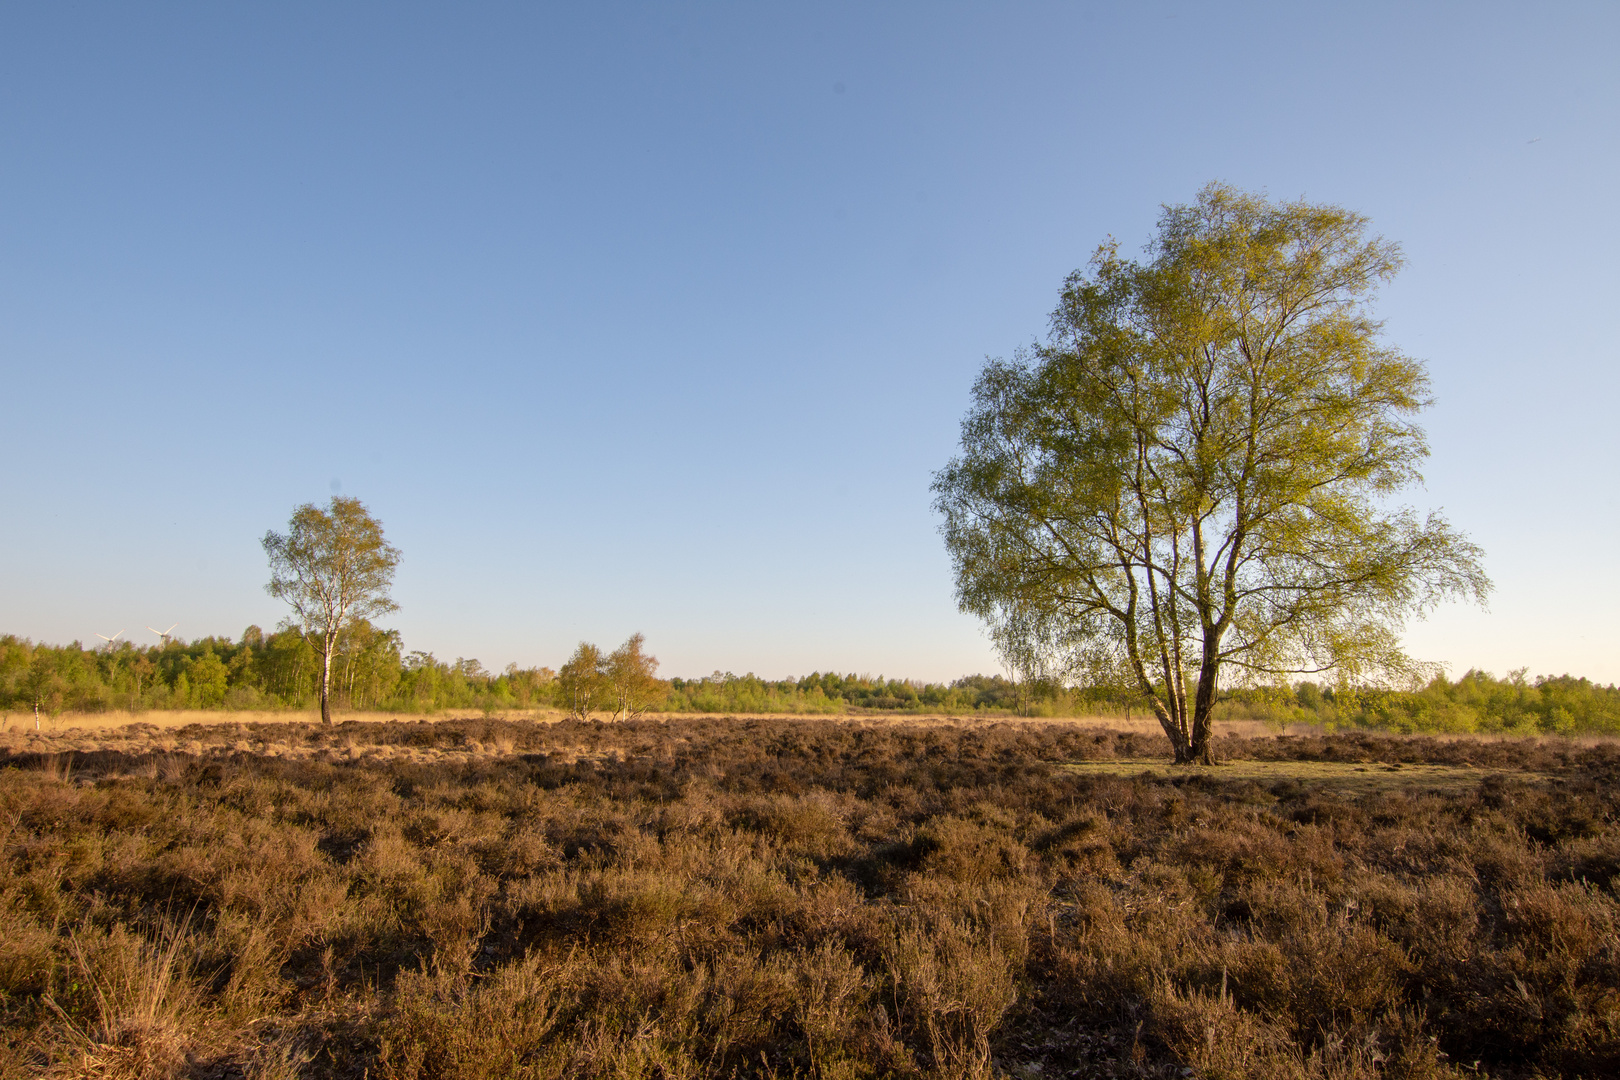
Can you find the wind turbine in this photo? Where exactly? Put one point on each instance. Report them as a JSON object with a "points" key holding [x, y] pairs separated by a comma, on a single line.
{"points": [[115, 637], [163, 635]]}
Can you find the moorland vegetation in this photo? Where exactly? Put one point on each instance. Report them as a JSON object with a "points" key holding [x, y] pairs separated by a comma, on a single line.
{"points": [[802, 898]]}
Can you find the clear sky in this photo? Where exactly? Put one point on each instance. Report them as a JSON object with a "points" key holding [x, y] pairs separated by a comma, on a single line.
{"points": [[659, 316]]}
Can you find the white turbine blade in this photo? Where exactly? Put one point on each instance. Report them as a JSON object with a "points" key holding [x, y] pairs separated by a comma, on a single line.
{"points": [[170, 630]]}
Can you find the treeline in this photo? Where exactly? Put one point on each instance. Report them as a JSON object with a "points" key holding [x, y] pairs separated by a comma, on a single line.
{"points": [[373, 671], [370, 668], [1477, 702], [829, 692]]}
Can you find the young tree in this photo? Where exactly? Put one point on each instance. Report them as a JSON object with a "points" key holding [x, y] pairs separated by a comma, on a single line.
{"points": [[631, 677], [332, 567], [529, 685], [44, 685], [581, 683], [141, 669], [1194, 474]]}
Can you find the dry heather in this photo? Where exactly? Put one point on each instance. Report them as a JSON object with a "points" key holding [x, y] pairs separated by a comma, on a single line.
{"points": [[812, 899]]}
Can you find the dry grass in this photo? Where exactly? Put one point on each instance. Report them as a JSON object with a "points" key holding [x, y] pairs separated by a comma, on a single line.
{"points": [[141, 1004], [81, 725], [828, 899], [111, 721]]}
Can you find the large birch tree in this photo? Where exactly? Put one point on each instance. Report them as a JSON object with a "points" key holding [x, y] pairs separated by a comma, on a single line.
{"points": [[1197, 475]]}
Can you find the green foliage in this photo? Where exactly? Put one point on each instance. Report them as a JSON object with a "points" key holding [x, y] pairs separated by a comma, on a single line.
{"points": [[830, 692], [371, 670], [1475, 703], [261, 671], [333, 569], [631, 678], [582, 682], [1194, 475]]}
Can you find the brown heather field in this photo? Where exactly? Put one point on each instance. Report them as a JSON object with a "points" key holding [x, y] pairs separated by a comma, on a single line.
{"points": [[698, 897]]}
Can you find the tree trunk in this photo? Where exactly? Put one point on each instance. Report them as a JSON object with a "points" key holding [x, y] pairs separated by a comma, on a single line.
{"points": [[326, 680], [1203, 715], [1172, 730], [1198, 751]]}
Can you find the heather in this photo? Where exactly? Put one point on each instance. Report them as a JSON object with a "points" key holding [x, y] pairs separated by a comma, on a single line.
{"points": [[818, 898]]}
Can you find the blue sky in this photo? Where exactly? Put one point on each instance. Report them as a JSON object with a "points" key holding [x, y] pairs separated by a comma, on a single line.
{"points": [[659, 317]]}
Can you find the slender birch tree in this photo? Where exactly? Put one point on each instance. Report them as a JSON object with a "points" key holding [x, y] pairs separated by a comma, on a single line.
{"points": [[632, 676], [1195, 476], [582, 682], [333, 568]]}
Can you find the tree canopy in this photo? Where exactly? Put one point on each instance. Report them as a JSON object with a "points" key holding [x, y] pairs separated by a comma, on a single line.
{"points": [[333, 568], [1196, 473]]}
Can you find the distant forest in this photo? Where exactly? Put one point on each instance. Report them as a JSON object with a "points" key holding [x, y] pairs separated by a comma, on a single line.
{"points": [[372, 671]]}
